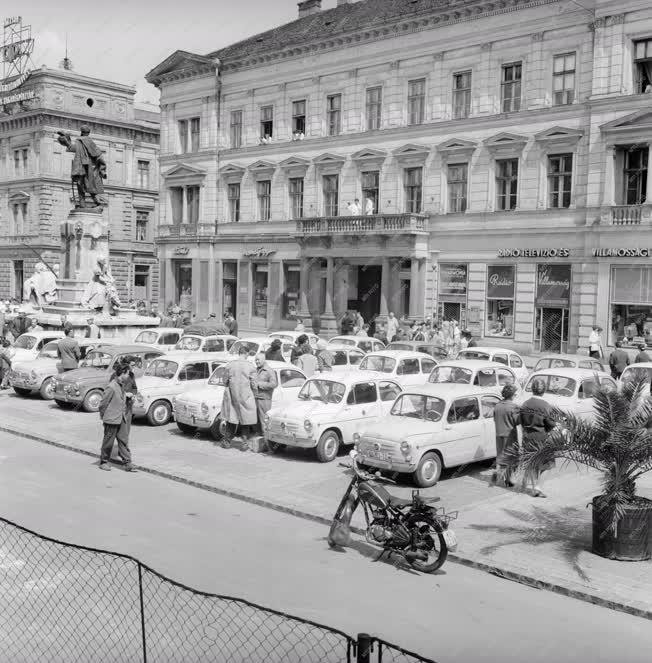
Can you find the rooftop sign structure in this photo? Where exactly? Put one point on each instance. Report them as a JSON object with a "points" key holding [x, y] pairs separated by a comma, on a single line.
{"points": [[15, 55]]}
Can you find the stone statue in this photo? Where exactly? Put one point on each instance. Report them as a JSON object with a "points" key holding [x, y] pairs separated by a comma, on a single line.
{"points": [[40, 289], [100, 293], [88, 168]]}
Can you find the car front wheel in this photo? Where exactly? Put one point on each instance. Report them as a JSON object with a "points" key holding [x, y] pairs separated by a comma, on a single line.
{"points": [[47, 389], [428, 470], [92, 400], [328, 446], [159, 413]]}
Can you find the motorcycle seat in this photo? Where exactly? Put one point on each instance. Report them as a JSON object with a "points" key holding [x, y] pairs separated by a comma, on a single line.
{"points": [[399, 501]]}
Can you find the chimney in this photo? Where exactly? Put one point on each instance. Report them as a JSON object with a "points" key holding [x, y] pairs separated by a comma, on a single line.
{"points": [[308, 7]]}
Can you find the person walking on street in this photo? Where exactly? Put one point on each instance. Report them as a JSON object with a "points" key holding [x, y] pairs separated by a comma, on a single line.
{"points": [[113, 411], [239, 401], [231, 324], [618, 361], [537, 422], [642, 355], [68, 351], [266, 382], [359, 320], [92, 330], [325, 359], [595, 343], [506, 421], [274, 352], [6, 353], [307, 362], [65, 323], [392, 327]]}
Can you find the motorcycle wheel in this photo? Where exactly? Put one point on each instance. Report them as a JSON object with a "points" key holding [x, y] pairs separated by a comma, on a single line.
{"points": [[339, 534], [433, 543]]}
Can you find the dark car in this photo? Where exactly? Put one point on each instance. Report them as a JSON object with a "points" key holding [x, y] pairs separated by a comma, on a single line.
{"points": [[84, 385], [435, 350]]}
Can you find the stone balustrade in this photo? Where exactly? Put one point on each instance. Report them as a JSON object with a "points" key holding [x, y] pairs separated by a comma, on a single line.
{"points": [[388, 224]]}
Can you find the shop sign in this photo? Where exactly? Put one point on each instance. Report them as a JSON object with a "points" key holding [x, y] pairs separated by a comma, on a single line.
{"points": [[553, 285], [533, 253], [622, 253], [452, 279], [181, 251], [500, 282], [258, 253]]}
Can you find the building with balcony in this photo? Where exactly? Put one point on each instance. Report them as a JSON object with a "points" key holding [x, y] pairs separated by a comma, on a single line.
{"points": [[485, 161], [35, 185]]}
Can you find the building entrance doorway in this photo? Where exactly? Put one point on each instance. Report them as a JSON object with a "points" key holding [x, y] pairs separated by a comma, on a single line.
{"points": [[369, 279], [552, 329]]}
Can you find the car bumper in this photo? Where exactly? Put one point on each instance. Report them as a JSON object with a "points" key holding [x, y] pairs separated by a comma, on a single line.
{"points": [[68, 398], [291, 439], [386, 463], [197, 420], [23, 383]]}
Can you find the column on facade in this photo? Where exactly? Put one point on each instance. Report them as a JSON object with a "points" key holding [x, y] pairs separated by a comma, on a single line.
{"points": [[609, 190], [211, 278], [384, 287], [414, 279], [304, 276], [218, 296], [328, 308], [340, 294], [649, 173]]}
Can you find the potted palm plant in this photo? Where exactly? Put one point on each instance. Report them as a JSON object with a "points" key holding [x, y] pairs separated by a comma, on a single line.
{"points": [[617, 441]]}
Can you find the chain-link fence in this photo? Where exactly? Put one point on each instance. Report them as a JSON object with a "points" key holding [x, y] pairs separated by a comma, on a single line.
{"points": [[61, 603]]}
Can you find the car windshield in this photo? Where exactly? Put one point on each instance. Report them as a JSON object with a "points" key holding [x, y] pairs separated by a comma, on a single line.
{"points": [[381, 364], [283, 337], [322, 390], [49, 351], [341, 341], [556, 385], [473, 354], [562, 363], [217, 378], [252, 348], [192, 343], [97, 360], [451, 374], [416, 406], [26, 342], [636, 374], [162, 368], [147, 337], [399, 346]]}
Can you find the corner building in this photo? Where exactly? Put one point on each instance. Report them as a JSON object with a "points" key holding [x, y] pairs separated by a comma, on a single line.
{"points": [[502, 149], [35, 185]]}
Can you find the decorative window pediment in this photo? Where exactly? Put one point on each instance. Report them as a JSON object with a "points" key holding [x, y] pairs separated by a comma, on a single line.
{"points": [[558, 137], [411, 153], [294, 162], [231, 172], [457, 149], [184, 174], [328, 159], [634, 127], [506, 143], [262, 169], [18, 197], [369, 157]]}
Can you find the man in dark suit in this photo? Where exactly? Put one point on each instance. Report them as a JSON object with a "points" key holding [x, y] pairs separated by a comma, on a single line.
{"points": [[19, 325], [114, 413], [618, 361], [68, 351], [506, 421]]}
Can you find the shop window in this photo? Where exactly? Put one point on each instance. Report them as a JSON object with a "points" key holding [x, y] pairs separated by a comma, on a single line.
{"points": [[457, 187], [643, 65], [229, 283], [261, 278], [370, 190], [264, 193], [560, 178], [500, 300], [631, 305], [236, 129], [295, 188], [506, 184], [299, 118], [413, 189], [330, 185], [266, 122], [563, 79], [183, 283], [142, 225], [461, 94], [510, 88], [234, 202], [291, 274], [334, 114], [416, 101], [373, 107], [141, 282], [143, 174], [635, 175]]}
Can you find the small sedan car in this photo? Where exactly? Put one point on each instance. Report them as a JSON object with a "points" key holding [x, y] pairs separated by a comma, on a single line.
{"points": [[571, 361], [406, 368], [364, 343], [292, 336], [255, 344], [165, 337], [500, 356], [199, 409], [642, 371], [27, 346], [169, 376], [39, 374], [569, 389], [430, 428], [329, 410], [210, 343], [486, 374], [435, 350], [84, 386], [345, 358]]}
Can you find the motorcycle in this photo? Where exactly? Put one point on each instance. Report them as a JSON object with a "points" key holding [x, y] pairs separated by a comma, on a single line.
{"points": [[408, 527]]}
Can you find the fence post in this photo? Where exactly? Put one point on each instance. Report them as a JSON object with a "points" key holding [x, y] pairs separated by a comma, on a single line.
{"points": [[142, 612], [364, 648]]}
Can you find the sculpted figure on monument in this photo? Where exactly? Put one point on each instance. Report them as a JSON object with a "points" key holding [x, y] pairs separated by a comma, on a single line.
{"points": [[40, 289], [101, 293], [88, 168]]}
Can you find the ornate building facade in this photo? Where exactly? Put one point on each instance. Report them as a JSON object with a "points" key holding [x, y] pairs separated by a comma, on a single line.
{"points": [[35, 185], [487, 161]]}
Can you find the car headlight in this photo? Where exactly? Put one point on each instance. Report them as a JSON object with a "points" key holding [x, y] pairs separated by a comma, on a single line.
{"points": [[356, 438], [405, 447], [204, 408], [307, 424]]}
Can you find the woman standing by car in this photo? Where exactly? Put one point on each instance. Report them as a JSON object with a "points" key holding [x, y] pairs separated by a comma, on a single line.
{"points": [[595, 343]]}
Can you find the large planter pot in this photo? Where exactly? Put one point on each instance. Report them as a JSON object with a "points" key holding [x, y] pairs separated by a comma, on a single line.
{"points": [[633, 538]]}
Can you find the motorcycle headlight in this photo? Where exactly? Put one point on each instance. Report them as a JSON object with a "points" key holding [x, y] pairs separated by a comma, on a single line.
{"points": [[405, 447], [204, 408], [307, 424]]}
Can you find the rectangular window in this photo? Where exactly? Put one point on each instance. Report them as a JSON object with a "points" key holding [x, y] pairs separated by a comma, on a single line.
{"points": [[259, 303], [330, 187], [19, 218], [142, 225], [291, 273], [370, 191], [141, 282], [373, 106], [457, 187], [506, 184], [560, 179], [416, 101], [295, 185], [143, 174], [183, 136], [500, 300], [636, 164], [511, 87], [264, 193], [19, 278], [631, 305], [334, 114], [176, 198], [194, 134], [20, 162], [461, 95], [643, 64], [236, 129], [266, 121], [234, 202], [192, 204], [413, 178], [563, 79], [299, 117]]}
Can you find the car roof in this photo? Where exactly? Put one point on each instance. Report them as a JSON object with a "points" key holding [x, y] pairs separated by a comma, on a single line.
{"points": [[399, 354], [195, 335], [448, 391], [351, 377], [489, 349], [472, 364], [161, 329], [278, 365], [134, 348], [255, 339], [569, 372], [569, 356], [182, 356], [40, 334], [293, 333], [346, 348], [641, 364], [415, 343]]}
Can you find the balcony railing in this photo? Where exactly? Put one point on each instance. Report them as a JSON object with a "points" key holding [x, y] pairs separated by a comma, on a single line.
{"points": [[187, 230], [626, 215], [388, 224]]}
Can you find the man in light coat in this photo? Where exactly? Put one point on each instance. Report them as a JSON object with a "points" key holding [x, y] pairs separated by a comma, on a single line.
{"points": [[266, 381], [239, 400], [114, 413], [92, 330], [392, 327]]}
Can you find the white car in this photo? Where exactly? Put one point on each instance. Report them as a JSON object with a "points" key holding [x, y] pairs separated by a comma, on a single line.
{"points": [[569, 389], [485, 374], [28, 345], [292, 336], [165, 337], [199, 409], [500, 356], [330, 409], [210, 343], [255, 344], [168, 376], [571, 361], [406, 368], [430, 428], [345, 358], [364, 343]]}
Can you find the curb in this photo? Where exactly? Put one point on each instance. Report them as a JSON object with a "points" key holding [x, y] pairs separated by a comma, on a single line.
{"points": [[507, 574]]}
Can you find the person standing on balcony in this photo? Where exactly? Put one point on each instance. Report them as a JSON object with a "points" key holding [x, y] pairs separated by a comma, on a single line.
{"points": [[369, 207], [356, 207]]}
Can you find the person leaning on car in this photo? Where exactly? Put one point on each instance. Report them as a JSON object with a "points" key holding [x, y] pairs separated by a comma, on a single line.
{"points": [[68, 351], [618, 361]]}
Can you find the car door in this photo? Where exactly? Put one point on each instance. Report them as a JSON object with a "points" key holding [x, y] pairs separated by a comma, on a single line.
{"points": [[361, 406], [387, 393], [463, 432], [290, 382], [193, 374], [408, 372], [487, 407]]}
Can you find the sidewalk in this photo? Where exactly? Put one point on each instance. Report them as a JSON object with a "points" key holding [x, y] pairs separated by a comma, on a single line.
{"points": [[540, 542]]}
